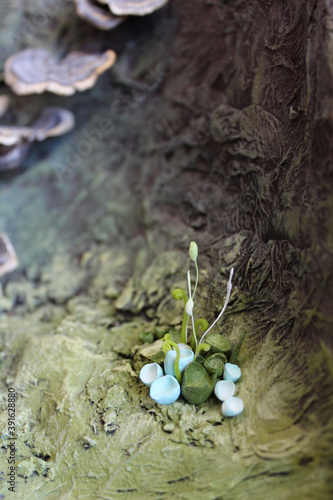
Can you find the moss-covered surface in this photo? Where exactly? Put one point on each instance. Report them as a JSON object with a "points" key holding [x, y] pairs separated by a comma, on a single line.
{"points": [[230, 146]]}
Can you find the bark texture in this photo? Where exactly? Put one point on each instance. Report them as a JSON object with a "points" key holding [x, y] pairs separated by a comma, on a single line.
{"points": [[222, 115]]}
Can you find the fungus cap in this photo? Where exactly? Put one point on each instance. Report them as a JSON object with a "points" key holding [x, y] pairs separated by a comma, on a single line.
{"points": [[10, 136], [15, 142], [4, 103], [52, 122], [11, 157], [8, 258], [133, 7], [97, 16], [34, 71]]}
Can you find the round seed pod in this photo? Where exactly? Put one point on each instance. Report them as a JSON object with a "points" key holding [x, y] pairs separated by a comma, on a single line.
{"points": [[215, 363], [232, 372], [218, 343], [165, 390], [197, 385], [232, 407], [146, 337], [151, 372], [224, 389]]}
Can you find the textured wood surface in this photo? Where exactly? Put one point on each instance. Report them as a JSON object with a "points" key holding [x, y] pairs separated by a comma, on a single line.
{"points": [[220, 131]]}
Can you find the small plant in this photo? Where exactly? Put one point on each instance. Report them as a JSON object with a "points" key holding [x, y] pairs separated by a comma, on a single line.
{"points": [[192, 367]]}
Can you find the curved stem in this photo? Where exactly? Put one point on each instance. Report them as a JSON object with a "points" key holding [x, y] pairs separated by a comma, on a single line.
{"points": [[201, 324], [229, 288], [201, 347], [195, 342], [179, 294], [169, 343], [197, 278], [193, 330], [184, 340]]}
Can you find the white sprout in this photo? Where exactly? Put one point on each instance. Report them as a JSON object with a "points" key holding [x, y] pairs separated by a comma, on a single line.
{"points": [[229, 288], [193, 251], [189, 307]]}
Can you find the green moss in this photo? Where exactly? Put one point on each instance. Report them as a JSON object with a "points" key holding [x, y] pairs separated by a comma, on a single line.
{"points": [[215, 364], [218, 343], [146, 337], [160, 332]]}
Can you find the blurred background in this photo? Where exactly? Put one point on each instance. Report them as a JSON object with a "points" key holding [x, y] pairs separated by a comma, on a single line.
{"points": [[214, 124]]}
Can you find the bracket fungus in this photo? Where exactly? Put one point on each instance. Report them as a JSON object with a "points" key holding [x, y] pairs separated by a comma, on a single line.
{"points": [[4, 103], [133, 7], [52, 122], [34, 71], [8, 258], [97, 16], [10, 136], [11, 157], [15, 142]]}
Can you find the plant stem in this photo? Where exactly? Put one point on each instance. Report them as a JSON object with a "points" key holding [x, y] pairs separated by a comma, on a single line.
{"points": [[197, 278]]}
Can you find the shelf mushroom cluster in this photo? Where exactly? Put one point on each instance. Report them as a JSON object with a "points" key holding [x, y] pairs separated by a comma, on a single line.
{"points": [[107, 14], [15, 142], [8, 258], [36, 70]]}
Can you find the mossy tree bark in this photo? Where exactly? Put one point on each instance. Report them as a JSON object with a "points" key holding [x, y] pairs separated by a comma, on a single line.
{"points": [[223, 116]]}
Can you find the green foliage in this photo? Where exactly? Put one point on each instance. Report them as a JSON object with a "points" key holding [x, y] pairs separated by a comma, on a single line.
{"points": [[215, 363], [235, 352], [218, 343], [197, 385], [179, 294], [160, 332], [146, 337], [201, 347]]}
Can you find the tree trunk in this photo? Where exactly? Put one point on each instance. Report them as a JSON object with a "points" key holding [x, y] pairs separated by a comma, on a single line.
{"points": [[222, 115]]}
